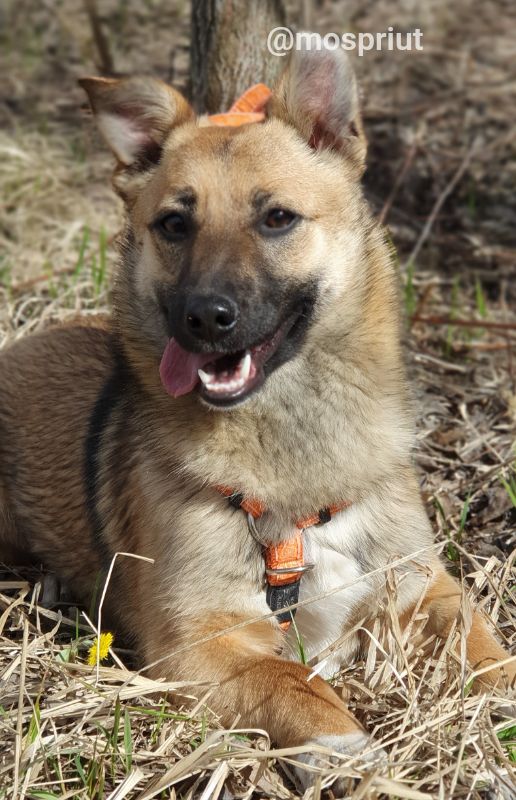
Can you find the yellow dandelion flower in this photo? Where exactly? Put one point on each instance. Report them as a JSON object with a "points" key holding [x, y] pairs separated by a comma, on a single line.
{"points": [[100, 648]]}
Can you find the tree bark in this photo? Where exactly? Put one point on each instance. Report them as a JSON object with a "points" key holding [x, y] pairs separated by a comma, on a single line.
{"points": [[229, 49]]}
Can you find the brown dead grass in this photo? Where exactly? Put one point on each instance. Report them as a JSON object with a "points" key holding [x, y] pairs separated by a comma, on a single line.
{"points": [[66, 732], [72, 732]]}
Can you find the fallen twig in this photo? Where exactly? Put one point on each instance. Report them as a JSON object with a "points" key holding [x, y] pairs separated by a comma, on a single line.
{"points": [[101, 42], [448, 189], [464, 323], [409, 158]]}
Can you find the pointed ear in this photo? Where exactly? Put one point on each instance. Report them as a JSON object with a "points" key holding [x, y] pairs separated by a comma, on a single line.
{"points": [[135, 115], [317, 94]]}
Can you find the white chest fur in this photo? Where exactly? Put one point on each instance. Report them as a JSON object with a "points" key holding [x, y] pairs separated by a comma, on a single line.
{"points": [[322, 622]]}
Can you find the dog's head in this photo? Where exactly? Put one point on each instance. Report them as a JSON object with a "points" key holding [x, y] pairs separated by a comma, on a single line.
{"points": [[241, 242]]}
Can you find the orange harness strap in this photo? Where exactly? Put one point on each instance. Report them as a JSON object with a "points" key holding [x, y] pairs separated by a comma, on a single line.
{"points": [[282, 585]]}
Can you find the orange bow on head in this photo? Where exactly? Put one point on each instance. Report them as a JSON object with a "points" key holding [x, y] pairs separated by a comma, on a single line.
{"points": [[250, 107]]}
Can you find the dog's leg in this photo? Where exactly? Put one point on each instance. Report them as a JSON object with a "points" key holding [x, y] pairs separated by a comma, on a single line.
{"points": [[442, 604], [267, 692]]}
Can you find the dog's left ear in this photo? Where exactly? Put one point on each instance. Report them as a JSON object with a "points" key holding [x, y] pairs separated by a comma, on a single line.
{"points": [[317, 94]]}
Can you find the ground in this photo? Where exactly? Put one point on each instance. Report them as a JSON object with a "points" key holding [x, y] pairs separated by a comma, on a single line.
{"points": [[441, 177]]}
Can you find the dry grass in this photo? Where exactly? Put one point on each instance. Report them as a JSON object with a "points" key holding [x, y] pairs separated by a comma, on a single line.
{"points": [[72, 732], [52, 220], [66, 732]]}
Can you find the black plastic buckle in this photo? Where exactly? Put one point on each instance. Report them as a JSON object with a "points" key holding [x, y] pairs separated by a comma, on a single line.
{"points": [[324, 516], [236, 500], [282, 596]]}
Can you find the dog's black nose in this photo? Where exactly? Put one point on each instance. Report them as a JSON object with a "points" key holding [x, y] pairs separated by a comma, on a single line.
{"points": [[210, 317]]}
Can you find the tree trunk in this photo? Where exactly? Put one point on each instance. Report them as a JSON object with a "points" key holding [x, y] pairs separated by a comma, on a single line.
{"points": [[229, 49]]}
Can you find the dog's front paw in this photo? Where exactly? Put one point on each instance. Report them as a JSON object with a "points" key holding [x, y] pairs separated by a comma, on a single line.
{"points": [[332, 750]]}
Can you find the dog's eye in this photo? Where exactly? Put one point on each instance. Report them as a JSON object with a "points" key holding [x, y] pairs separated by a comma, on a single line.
{"points": [[278, 219], [173, 227]]}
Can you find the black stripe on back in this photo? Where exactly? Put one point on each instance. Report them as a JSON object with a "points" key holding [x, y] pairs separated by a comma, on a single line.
{"points": [[107, 401]]}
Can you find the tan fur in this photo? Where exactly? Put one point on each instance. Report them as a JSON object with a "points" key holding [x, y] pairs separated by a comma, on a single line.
{"points": [[253, 684], [443, 604], [332, 423]]}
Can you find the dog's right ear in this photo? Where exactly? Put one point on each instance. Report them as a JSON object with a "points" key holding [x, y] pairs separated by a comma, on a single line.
{"points": [[135, 115]]}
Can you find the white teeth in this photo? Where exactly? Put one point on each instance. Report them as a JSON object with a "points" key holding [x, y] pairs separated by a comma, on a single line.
{"points": [[245, 366], [204, 376], [227, 386], [214, 384]]}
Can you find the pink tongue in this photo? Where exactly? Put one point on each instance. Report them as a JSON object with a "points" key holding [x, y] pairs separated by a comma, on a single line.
{"points": [[178, 368]]}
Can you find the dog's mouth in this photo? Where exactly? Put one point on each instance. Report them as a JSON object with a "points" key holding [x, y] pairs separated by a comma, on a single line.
{"points": [[222, 379]]}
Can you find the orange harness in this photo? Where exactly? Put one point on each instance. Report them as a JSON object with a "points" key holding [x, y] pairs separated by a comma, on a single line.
{"points": [[284, 561]]}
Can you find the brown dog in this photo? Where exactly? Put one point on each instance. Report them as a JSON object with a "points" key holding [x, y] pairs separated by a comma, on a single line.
{"points": [[255, 346]]}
